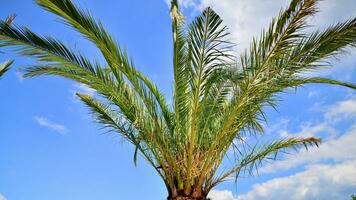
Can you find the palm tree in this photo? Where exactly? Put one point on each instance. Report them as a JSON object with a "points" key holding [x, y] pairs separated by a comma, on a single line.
{"points": [[4, 67], [218, 99]]}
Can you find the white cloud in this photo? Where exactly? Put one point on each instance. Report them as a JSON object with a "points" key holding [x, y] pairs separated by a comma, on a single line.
{"points": [[221, 195], [318, 181], [343, 109], [42, 121], [321, 181], [310, 129], [2, 197]]}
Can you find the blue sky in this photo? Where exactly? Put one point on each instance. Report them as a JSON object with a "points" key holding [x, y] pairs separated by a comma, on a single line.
{"points": [[50, 149]]}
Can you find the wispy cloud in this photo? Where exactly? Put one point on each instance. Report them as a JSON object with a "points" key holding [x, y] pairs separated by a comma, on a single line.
{"points": [[42, 121], [343, 109]]}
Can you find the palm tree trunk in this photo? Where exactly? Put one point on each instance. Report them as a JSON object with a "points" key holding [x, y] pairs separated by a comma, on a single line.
{"points": [[193, 196], [187, 198]]}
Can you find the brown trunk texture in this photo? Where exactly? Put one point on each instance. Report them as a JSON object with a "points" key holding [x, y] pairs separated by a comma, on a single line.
{"points": [[191, 194], [188, 198]]}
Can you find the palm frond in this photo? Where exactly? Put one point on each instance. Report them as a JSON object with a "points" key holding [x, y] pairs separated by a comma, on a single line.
{"points": [[319, 47], [320, 80], [253, 159], [180, 68]]}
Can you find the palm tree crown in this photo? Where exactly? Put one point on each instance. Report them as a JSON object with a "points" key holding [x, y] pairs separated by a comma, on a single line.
{"points": [[218, 99]]}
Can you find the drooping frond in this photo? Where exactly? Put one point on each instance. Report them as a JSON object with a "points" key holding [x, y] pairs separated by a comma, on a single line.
{"points": [[115, 121], [254, 158], [302, 81]]}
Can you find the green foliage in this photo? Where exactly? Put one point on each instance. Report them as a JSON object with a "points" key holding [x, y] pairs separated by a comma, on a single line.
{"points": [[218, 99], [353, 197]]}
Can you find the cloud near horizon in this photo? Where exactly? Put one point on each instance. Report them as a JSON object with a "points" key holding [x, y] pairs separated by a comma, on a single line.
{"points": [[319, 181]]}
